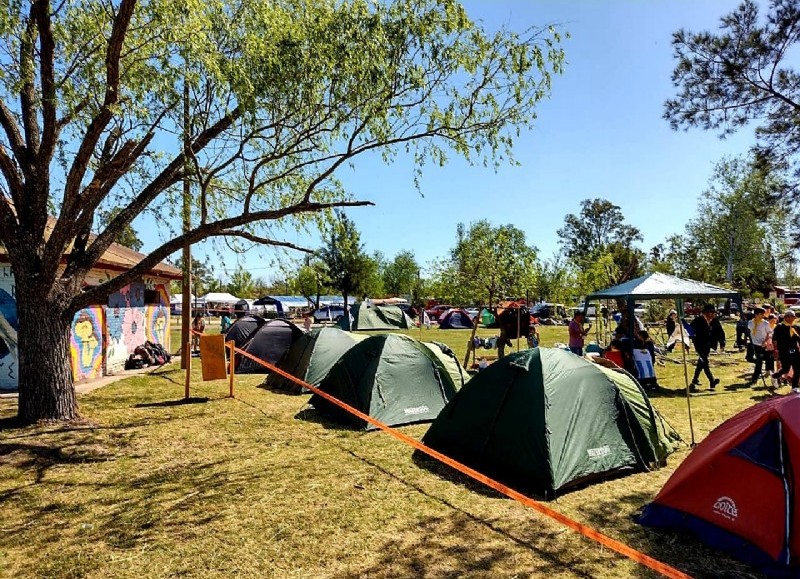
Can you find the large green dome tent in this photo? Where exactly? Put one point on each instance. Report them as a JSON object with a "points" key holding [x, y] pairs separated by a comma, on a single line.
{"points": [[311, 357], [542, 420], [392, 378], [366, 316]]}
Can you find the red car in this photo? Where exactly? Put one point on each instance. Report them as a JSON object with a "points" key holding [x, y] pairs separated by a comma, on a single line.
{"points": [[436, 311]]}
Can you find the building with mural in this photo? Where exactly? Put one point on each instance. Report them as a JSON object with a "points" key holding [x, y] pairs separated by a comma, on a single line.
{"points": [[104, 335]]}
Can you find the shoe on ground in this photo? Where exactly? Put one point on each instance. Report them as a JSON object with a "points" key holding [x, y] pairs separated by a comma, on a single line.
{"points": [[693, 386], [714, 383]]}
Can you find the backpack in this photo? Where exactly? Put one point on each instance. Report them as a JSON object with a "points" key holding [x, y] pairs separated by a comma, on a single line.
{"points": [[134, 362]]}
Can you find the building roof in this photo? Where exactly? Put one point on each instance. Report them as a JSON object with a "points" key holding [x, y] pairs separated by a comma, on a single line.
{"points": [[117, 258]]}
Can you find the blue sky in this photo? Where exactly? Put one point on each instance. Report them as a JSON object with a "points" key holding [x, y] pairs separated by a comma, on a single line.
{"points": [[600, 134]]}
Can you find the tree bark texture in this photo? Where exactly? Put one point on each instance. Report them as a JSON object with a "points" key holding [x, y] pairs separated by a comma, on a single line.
{"points": [[46, 385]]}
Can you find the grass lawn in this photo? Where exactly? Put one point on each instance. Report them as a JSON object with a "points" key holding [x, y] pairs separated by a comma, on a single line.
{"points": [[258, 486]]}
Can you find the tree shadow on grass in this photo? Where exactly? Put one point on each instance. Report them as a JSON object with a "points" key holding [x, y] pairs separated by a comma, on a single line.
{"points": [[431, 545], [178, 402], [311, 414]]}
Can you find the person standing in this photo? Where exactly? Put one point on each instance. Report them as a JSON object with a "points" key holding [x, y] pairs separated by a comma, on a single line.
{"points": [[741, 331], [701, 327], [198, 327], [577, 333], [224, 321], [787, 342], [669, 327], [759, 331]]}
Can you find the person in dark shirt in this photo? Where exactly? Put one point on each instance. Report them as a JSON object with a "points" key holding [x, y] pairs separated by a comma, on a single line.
{"points": [[703, 338], [786, 340], [669, 326]]}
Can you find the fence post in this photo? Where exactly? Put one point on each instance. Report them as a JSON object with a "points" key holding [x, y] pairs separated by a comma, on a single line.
{"points": [[232, 346]]}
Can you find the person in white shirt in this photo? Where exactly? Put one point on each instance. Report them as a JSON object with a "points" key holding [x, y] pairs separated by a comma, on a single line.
{"points": [[760, 331]]}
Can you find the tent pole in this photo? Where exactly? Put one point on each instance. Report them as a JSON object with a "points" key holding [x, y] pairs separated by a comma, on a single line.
{"points": [[686, 372]]}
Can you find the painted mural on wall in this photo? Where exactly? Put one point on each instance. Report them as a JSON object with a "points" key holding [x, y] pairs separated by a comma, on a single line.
{"points": [[86, 343], [157, 326], [8, 330], [129, 323], [131, 296], [95, 346]]}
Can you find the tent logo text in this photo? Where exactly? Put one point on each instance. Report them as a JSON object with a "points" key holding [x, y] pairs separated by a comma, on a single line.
{"points": [[598, 452], [726, 508], [417, 410]]}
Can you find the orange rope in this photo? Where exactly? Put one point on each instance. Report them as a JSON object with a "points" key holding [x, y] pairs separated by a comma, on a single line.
{"points": [[588, 532]]}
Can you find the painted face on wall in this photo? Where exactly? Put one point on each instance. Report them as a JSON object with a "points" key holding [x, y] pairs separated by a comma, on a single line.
{"points": [[84, 330]]}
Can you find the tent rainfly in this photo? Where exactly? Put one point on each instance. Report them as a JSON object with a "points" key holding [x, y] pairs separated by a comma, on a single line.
{"points": [[366, 316], [311, 357], [737, 490], [392, 378], [544, 420]]}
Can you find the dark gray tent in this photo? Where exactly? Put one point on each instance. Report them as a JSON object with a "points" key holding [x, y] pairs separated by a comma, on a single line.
{"points": [[243, 329], [660, 286], [270, 301], [269, 343]]}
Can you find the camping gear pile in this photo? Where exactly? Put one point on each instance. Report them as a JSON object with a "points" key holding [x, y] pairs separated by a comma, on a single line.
{"points": [[148, 354]]}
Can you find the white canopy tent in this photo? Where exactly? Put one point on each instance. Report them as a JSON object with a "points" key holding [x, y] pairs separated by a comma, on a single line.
{"points": [[220, 298]]}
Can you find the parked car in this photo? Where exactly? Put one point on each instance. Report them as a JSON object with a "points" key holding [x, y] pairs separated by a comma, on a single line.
{"points": [[472, 312], [436, 311], [331, 313]]}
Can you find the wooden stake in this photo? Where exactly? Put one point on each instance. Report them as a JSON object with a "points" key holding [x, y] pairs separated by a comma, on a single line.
{"points": [[188, 351]]}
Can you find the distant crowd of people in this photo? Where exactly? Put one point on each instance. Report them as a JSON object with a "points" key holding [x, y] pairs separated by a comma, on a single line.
{"points": [[771, 342]]}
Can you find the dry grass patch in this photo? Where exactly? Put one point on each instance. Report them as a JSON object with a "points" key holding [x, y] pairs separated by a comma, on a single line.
{"points": [[261, 487]]}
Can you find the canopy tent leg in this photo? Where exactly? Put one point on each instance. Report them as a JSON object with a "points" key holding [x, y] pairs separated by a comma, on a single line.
{"points": [[686, 372]]}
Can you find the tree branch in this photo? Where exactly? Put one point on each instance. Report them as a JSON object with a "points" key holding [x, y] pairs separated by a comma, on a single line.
{"points": [[99, 293]]}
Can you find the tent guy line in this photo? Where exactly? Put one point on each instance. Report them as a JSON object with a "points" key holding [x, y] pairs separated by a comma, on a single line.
{"points": [[586, 531]]}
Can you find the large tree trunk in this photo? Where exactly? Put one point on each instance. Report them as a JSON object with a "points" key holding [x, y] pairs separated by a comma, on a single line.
{"points": [[46, 386]]}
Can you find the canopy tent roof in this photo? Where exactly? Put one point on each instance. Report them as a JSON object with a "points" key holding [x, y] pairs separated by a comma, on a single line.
{"points": [[220, 298], [655, 286]]}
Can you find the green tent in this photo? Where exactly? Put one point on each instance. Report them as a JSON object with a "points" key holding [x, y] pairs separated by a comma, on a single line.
{"points": [[542, 420], [311, 357], [663, 438], [391, 377], [367, 316]]}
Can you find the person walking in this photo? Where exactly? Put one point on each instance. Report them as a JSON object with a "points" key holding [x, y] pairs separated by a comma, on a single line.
{"points": [[787, 342], [701, 327], [759, 331], [577, 333]]}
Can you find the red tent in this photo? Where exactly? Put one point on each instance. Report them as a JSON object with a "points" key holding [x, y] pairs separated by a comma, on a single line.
{"points": [[736, 491]]}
